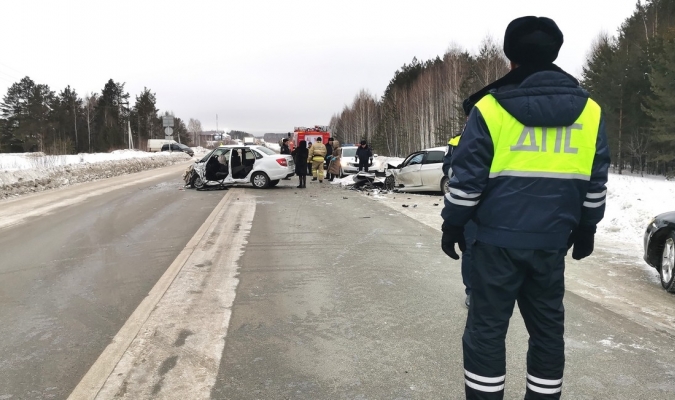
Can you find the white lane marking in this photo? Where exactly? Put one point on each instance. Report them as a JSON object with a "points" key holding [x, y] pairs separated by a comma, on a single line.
{"points": [[16, 211], [172, 344]]}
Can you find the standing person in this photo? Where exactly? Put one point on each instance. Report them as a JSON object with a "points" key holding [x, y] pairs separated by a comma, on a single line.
{"points": [[469, 229], [530, 170], [291, 143], [363, 155], [316, 156], [334, 166], [329, 155], [300, 155], [309, 162], [284, 147]]}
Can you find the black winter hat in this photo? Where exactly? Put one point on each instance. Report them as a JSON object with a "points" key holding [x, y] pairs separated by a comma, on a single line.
{"points": [[532, 40]]}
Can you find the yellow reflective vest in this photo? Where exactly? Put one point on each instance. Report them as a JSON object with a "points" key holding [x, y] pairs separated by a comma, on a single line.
{"points": [[553, 152]]}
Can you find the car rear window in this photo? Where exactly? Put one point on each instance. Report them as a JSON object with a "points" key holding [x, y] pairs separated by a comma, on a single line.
{"points": [[434, 157], [348, 151], [266, 151]]}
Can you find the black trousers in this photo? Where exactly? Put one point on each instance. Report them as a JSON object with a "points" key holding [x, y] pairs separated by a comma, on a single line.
{"points": [[363, 165], [499, 278]]}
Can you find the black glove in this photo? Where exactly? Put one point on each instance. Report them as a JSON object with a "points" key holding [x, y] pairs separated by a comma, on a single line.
{"points": [[451, 235], [583, 239]]}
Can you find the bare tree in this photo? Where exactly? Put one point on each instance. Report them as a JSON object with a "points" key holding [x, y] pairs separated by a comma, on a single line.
{"points": [[638, 147], [90, 101], [195, 129]]}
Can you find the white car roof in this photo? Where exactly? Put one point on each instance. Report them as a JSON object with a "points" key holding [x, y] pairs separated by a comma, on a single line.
{"points": [[253, 146]]}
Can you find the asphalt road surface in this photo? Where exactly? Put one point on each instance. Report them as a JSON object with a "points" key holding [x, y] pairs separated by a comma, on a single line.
{"points": [[73, 271], [342, 298], [284, 293]]}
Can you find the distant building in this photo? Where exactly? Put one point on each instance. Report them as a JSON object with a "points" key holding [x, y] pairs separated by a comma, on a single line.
{"points": [[209, 138]]}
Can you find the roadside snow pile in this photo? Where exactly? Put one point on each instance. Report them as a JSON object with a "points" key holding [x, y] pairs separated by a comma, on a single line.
{"points": [[632, 201], [33, 172], [21, 161], [200, 151]]}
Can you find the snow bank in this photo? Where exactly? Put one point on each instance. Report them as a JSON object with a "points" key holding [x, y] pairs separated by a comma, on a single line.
{"points": [[33, 172], [632, 201]]}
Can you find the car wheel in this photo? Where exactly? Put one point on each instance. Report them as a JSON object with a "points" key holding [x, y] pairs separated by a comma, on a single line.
{"points": [[445, 185], [192, 180], [389, 182], [260, 180], [274, 182], [198, 182], [667, 270]]}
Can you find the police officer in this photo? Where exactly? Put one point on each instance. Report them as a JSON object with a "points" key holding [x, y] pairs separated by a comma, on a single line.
{"points": [[469, 229], [530, 170]]}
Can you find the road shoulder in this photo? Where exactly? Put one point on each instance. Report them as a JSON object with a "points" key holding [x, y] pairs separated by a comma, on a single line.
{"points": [[173, 342]]}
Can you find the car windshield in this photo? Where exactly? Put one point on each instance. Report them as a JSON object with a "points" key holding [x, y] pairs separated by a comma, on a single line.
{"points": [[266, 151], [348, 151], [182, 146]]}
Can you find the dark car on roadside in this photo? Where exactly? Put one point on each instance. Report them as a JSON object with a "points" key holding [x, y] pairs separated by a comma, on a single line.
{"points": [[659, 244], [178, 147]]}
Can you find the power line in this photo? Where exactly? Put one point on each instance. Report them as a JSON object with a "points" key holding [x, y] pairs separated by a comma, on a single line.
{"points": [[7, 74], [13, 69]]}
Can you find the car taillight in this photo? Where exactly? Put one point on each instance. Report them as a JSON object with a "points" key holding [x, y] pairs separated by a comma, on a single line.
{"points": [[282, 162]]}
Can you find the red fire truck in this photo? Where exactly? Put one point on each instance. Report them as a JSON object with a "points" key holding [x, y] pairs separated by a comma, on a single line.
{"points": [[310, 134]]}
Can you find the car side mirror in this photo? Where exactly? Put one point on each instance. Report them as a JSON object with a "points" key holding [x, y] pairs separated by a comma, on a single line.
{"points": [[399, 166]]}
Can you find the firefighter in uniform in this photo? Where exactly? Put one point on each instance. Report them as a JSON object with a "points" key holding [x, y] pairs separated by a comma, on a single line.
{"points": [[316, 156], [530, 170]]}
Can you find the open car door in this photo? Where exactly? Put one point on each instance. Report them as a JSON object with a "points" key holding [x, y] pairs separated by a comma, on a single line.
{"points": [[241, 164]]}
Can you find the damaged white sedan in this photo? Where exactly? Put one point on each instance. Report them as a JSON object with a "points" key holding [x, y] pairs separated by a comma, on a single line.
{"points": [[421, 171]]}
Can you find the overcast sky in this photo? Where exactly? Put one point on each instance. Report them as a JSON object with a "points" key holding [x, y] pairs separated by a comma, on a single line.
{"points": [[263, 65]]}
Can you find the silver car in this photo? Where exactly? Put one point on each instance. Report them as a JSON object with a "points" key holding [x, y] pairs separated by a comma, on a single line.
{"points": [[421, 171]]}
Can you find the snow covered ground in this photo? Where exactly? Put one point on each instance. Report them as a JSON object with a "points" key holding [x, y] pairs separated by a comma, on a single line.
{"points": [[32, 172]]}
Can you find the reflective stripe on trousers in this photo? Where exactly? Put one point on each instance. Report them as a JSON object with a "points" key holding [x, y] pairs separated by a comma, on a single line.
{"points": [[499, 278]]}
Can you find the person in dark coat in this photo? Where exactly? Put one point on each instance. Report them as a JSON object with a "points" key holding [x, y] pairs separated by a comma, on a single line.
{"points": [[469, 229], [363, 156], [329, 155], [531, 171], [284, 147], [300, 155]]}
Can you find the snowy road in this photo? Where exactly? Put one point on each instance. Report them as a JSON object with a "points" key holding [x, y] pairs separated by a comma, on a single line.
{"points": [[76, 263], [337, 296]]}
